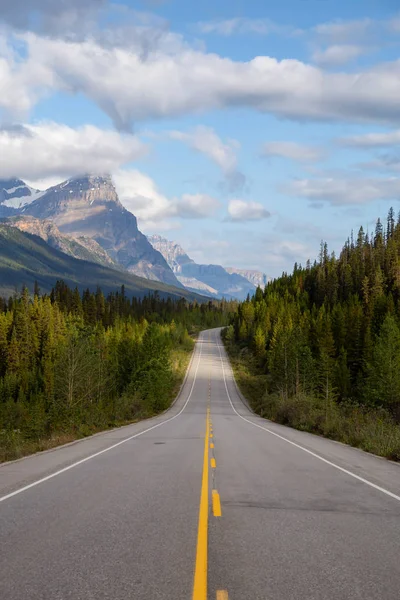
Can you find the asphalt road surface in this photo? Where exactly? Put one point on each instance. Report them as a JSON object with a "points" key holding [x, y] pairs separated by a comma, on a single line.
{"points": [[204, 501]]}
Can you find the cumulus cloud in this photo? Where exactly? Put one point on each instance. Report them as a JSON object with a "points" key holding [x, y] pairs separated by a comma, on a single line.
{"points": [[206, 141], [139, 193], [49, 149], [372, 140], [344, 191], [293, 151], [338, 54], [242, 210], [185, 81], [23, 82], [196, 206]]}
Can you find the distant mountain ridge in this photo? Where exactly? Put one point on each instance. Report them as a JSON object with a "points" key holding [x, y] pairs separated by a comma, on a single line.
{"points": [[213, 280], [89, 207], [26, 259], [257, 278], [84, 218]]}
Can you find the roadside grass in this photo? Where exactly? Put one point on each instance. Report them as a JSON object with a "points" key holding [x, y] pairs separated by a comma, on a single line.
{"points": [[371, 430], [126, 410]]}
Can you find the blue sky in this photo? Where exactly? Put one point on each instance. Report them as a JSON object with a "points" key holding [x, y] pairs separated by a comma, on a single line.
{"points": [[246, 131]]}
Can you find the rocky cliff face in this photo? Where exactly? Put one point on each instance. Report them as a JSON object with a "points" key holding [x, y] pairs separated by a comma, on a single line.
{"points": [[211, 280], [173, 253], [83, 248], [257, 278], [89, 207]]}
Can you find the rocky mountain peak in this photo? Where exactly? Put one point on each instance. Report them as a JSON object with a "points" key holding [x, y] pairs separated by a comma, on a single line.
{"points": [[211, 280], [88, 206], [173, 253], [79, 192]]}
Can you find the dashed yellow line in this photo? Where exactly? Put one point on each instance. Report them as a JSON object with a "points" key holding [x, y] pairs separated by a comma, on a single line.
{"points": [[211, 435], [200, 574], [222, 595], [217, 512], [213, 463], [211, 445]]}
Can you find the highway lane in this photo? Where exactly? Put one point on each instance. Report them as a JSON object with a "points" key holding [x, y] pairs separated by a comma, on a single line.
{"points": [[135, 513]]}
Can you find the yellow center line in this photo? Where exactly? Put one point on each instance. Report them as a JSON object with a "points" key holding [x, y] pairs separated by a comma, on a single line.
{"points": [[200, 574], [222, 595], [211, 435], [213, 463], [216, 504], [211, 445]]}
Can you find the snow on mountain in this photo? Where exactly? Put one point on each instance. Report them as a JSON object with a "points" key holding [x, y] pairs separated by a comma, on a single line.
{"points": [[16, 194]]}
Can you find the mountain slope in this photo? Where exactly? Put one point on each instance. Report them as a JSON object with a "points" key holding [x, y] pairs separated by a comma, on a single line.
{"points": [[26, 258], [89, 206], [83, 248], [173, 253], [257, 278], [212, 280]]}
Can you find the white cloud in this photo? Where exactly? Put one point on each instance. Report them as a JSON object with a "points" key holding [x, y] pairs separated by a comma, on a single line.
{"points": [[49, 149], [338, 54], [196, 206], [293, 151], [343, 191], [140, 195], [183, 80], [372, 140], [207, 142], [241, 210]]}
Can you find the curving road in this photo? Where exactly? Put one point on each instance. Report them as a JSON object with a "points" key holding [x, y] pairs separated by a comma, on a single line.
{"points": [[204, 501]]}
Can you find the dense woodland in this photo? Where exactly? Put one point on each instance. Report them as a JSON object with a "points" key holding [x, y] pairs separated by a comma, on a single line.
{"points": [[72, 364], [324, 342]]}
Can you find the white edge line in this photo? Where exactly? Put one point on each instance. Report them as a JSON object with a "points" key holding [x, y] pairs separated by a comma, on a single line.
{"points": [[281, 437], [83, 460]]}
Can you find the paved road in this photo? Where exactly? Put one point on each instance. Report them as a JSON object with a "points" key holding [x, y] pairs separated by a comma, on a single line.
{"points": [[133, 513]]}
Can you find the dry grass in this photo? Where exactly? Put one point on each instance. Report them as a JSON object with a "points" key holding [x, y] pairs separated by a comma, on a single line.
{"points": [[371, 430]]}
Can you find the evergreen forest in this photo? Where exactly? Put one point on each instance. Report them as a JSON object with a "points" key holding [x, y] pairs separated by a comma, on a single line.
{"points": [[73, 364], [319, 349]]}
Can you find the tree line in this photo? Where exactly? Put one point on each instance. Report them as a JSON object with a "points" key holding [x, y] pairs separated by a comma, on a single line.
{"points": [[71, 364], [326, 337]]}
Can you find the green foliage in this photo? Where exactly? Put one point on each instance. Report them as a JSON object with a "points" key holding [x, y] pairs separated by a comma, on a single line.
{"points": [[327, 337], [71, 365]]}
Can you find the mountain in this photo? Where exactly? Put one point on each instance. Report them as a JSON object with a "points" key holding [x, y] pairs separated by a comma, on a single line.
{"points": [[173, 253], [89, 207], [14, 195], [26, 258], [212, 280], [83, 248], [257, 278]]}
